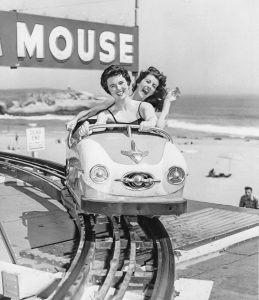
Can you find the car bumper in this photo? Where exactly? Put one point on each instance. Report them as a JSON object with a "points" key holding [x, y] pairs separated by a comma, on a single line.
{"points": [[155, 208]]}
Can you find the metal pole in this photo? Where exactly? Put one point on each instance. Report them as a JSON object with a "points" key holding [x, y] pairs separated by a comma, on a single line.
{"points": [[136, 12], [135, 74]]}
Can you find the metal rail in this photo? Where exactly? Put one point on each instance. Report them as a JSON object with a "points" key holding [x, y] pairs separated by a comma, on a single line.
{"points": [[132, 263], [162, 289], [7, 244], [78, 277], [47, 167], [72, 285], [114, 262]]}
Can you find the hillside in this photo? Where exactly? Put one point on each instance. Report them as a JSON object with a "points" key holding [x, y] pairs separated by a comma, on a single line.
{"points": [[46, 101]]}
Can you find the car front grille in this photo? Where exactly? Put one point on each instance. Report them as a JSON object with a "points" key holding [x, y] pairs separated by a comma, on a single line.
{"points": [[138, 181]]}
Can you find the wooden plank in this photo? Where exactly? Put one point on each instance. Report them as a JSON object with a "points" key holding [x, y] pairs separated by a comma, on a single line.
{"points": [[212, 226], [172, 218], [207, 224]]}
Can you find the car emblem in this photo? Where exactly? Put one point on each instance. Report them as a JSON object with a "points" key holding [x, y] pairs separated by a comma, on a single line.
{"points": [[135, 154]]}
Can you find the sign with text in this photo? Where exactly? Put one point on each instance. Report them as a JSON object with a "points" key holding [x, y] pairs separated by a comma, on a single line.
{"points": [[38, 41], [35, 138]]}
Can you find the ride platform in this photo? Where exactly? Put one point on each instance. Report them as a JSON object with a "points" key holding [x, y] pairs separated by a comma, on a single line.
{"points": [[31, 219], [27, 215], [209, 228]]}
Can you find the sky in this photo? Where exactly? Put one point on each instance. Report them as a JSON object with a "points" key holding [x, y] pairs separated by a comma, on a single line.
{"points": [[204, 47]]}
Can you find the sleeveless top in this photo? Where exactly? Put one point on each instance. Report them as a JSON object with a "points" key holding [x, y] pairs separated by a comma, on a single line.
{"points": [[136, 122]]}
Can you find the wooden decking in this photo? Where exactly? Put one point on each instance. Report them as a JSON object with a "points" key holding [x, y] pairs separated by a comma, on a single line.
{"points": [[209, 224]]}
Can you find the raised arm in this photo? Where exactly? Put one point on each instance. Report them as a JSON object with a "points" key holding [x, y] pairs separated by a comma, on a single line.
{"points": [[170, 98]]}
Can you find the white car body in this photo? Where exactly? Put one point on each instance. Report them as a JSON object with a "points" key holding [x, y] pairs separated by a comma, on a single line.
{"points": [[127, 167]]}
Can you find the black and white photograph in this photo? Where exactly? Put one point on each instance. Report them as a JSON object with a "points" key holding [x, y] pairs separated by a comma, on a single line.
{"points": [[129, 154]]}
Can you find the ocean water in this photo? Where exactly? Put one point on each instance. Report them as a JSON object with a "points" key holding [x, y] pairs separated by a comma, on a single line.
{"points": [[217, 114], [236, 116]]}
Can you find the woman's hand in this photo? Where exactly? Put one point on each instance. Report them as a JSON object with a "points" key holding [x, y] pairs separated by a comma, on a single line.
{"points": [[146, 125], [84, 129], [71, 124], [172, 95]]}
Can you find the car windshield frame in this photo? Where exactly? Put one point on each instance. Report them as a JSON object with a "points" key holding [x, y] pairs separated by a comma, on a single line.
{"points": [[118, 127]]}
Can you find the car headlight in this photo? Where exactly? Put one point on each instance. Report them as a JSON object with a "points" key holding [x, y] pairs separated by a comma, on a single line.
{"points": [[175, 175], [99, 174]]}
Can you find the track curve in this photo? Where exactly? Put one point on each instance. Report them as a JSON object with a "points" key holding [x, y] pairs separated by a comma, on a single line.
{"points": [[136, 253]]}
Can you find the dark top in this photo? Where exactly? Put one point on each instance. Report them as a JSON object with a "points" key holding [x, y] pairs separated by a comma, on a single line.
{"points": [[136, 122], [248, 202]]}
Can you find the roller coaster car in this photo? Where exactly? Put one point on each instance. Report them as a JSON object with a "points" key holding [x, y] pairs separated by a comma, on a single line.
{"points": [[121, 171]]}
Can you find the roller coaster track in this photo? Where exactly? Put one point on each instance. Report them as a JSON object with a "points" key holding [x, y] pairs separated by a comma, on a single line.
{"points": [[114, 255]]}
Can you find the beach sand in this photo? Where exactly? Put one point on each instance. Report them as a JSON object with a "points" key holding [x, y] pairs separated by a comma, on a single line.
{"points": [[238, 156]]}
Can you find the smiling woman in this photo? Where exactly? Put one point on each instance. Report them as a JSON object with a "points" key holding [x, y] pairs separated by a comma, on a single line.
{"points": [[116, 81], [150, 87]]}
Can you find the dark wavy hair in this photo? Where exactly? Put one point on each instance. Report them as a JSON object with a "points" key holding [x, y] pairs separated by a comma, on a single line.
{"points": [[114, 70], [157, 99]]}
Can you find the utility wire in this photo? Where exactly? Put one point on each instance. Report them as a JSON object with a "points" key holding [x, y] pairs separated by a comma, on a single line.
{"points": [[68, 5]]}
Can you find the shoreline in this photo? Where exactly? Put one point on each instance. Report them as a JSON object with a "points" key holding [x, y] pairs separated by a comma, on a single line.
{"points": [[226, 154], [58, 122]]}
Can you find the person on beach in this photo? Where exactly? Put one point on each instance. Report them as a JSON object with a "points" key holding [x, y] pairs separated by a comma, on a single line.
{"points": [[16, 137], [150, 86], [248, 200], [116, 81], [213, 174]]}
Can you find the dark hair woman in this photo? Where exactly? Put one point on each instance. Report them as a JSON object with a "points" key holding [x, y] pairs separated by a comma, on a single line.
{"points": [[111, 71], [116, 81], [150, 86]]}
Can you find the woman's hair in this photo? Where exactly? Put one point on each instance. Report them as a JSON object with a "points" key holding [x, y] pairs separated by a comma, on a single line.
{"points": [[157, 99], [111, 71]]}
